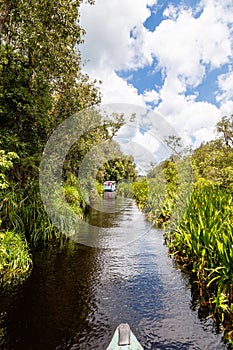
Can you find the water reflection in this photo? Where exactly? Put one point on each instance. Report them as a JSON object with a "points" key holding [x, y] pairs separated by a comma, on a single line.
{"points": [[43, 312], [112, 223], [77, 295]]}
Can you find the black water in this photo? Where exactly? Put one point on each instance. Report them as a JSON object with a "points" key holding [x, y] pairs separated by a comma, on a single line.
{"points": [[76, 295]]}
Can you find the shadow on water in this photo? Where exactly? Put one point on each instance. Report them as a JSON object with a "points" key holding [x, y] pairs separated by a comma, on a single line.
{"points": [[54, 302], [77, 295]]}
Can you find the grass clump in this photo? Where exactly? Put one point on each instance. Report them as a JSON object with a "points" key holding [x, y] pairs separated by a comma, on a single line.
{"points": [[125, 189], [15, 259]]}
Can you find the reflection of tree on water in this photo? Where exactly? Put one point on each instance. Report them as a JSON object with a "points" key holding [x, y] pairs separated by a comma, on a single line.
{"points": [[57, 301], [77, 295], [108, 210]]}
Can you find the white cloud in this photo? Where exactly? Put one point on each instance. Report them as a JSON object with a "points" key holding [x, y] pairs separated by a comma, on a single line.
{"points": [[225, 83], [185, 45], [108, 24], [227, 108], [151, 96], [151, 2], [115, 89], [203, 134], [147, 141], [189, 117]]}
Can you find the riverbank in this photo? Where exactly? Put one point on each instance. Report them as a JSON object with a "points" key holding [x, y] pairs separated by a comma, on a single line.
{"points": [[26, 224], [202, 244], [200, 240], [76, 295]]}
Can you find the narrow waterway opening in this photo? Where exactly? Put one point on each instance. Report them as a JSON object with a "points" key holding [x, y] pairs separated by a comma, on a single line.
{"points": [[77, 295]]}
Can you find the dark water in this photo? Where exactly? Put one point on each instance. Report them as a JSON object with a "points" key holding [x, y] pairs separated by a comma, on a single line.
{"points": [[77, 295]]}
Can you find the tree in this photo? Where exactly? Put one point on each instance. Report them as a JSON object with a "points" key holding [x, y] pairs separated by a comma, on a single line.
{"points": [[41, 81], [225, 130], [213, 160], [118, 167]]}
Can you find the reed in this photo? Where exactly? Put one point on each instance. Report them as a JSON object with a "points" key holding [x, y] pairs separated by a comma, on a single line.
{"points": [[15, 258], [24, 221], [140, 193], [125, 189], [203, 243], [156, 198], [22, 211]]}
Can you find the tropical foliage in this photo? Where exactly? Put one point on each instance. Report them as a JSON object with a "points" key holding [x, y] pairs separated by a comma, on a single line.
{"points": [[117, 166], [41, 85], [15, 259]]}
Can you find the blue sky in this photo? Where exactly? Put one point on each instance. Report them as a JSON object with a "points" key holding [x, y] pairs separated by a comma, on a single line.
{"points": [[158, 9], [174, 56]]}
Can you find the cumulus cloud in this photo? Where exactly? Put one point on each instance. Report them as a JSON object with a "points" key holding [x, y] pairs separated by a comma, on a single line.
{"points": [[152, 96], [110, 30], [225, 83], [185, 46], [188, 117]]}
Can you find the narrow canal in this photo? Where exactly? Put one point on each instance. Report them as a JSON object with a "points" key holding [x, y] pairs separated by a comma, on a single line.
{"points": [[76, 295]]}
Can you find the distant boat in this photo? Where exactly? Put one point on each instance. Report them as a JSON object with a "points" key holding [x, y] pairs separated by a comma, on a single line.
{"points": [[109, 186], [124, 339]]}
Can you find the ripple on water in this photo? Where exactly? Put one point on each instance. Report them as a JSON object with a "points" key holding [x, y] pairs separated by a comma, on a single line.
{"points": [[77, 295]]}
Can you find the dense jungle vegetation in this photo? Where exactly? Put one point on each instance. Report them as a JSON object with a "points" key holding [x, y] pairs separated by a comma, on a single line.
{"points": [[41, 85]]}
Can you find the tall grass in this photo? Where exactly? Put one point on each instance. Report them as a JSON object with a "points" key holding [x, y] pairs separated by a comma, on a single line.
{"points": [[151, 196], [203, 243], [125, 189], [24, 220], [15, 259], [23, 211], [155, 198], [140, 193]]}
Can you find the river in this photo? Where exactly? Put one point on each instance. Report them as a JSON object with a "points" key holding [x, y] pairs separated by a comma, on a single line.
{"points": [[77, 295]]}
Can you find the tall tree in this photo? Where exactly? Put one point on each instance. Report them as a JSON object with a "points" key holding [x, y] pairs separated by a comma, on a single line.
{"points": [[40, 67], [225, 130], [213, 160]]}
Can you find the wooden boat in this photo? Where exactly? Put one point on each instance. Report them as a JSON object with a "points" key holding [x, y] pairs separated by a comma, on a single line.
{"points": [[124, 339]]}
